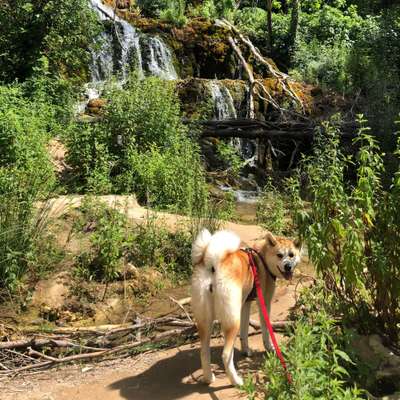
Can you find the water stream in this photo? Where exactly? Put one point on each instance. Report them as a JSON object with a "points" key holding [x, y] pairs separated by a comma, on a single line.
{"points": [[122, 48], [224, 108]]}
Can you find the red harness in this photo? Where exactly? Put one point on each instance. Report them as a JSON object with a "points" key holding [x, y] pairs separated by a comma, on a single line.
{"points": [[265, 313]]}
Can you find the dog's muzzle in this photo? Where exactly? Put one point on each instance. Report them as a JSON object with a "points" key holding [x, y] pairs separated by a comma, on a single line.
{"points": [[287, 271]]}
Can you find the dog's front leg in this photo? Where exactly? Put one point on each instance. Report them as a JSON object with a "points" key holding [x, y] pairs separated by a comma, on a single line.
{"points": [[244, 328], [268, 292]]}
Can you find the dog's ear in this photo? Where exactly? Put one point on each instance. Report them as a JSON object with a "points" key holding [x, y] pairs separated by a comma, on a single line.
{"points": [[271, 240], [298, 244]]}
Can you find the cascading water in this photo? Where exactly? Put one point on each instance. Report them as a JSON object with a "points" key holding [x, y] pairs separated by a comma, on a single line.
{"points": [[158, 58], [224, 108], [121, 48], [125, 48]]}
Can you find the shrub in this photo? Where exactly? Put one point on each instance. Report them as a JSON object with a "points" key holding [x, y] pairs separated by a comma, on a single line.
{"points": [[169, 252], [205, 9], [116, 240], [30, 30], [351, 230], [152, 8], [252, 21], [26, 176], [230, 156], [322, 65], [175, 12], [272, 212], [109, 242], [316, 361], [141, 146]]}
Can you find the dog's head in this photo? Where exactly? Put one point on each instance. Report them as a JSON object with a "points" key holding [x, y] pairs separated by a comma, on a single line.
{"points": [[281, 255]]}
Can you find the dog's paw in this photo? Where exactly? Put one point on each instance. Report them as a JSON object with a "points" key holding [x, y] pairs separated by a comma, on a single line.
{"points": [[268, 347], [238, 381], [208, 379], [247, 352]]}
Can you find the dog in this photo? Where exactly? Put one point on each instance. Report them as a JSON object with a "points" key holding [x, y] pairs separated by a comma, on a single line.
{"points": [[222, 288]]}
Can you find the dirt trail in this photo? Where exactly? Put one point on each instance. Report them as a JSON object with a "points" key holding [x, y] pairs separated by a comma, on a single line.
{"points": [[161, 375]]}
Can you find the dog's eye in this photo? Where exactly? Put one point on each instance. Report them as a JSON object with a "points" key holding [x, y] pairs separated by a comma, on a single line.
{"points": [[291, 255], [280, 255]]}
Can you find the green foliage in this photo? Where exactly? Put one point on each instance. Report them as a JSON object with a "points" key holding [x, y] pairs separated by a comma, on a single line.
{"points": [[26, 176], [62, 31], [152, 8], [252, 21], [272, 211], [230, 156], [205, 9], [114, 241], [351, 232], [212, 9], [175, 12], [109, 242], [316, 361], [156, 246], [322, 65], [141, 146]]}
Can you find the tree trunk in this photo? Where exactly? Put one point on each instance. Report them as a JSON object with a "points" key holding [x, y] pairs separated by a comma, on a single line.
{"points": [[269, 25], [294, 24]]}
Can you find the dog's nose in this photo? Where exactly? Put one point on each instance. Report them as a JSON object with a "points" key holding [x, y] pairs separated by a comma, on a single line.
{"points": [[288, 267]]}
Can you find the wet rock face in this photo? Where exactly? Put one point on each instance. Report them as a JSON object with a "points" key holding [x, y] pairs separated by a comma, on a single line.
{"points": [[201, 48]]}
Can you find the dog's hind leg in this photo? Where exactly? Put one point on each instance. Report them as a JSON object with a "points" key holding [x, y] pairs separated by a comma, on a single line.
{"points": [[205, 329], [244, 328], [230, 334]]}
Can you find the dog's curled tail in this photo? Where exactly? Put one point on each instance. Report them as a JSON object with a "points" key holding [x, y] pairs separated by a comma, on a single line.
{"points": [[221, 244], [199, 246]]}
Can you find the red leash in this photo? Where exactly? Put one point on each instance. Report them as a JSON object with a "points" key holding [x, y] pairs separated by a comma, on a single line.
{"points": [[266, 318]]}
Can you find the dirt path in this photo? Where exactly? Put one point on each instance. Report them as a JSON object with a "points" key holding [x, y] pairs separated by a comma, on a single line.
{"points": [[162, 375]]}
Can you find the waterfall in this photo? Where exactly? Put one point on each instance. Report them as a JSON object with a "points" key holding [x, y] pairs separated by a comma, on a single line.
{"points": [[122, 49], [102, 65], [159, 59], [224, 108]]}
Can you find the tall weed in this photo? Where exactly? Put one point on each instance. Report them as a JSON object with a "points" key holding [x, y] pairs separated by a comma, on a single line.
{"points": [[350, 229]]}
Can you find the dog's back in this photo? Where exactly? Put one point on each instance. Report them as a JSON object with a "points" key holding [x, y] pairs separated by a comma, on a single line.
{"points": [[210, 281]]}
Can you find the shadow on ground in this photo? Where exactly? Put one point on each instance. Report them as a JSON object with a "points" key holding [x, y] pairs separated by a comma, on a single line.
{"points": [[179, 377]]}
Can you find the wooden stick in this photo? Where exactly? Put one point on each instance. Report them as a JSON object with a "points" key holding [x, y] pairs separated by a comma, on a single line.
{"points": [[181, 307], [249, 74]]}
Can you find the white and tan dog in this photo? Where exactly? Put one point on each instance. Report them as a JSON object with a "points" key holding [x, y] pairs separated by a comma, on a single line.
{"points": [[222, 282]]}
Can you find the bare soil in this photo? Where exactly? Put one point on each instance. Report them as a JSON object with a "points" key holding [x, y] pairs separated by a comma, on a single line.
{"points": [[160, 375]]}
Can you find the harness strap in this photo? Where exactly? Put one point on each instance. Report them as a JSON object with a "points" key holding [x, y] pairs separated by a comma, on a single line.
{"points": [[250, 250], [266, 317]]}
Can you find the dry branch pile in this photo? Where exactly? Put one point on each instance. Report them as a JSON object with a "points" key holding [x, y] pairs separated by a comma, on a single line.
{"points": [[38, 350]]}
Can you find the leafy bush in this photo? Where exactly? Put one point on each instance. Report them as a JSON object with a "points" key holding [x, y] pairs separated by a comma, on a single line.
{"points": [[272, 212], [141, 146], [252, 21], [316, 361], [205, 9], [175, 12], [115, 240], [109, 242], [352, 231], [152, 8], [230, 156], [26, 176], [155, 246], [62, 31], [322, 65]]}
